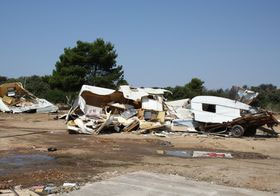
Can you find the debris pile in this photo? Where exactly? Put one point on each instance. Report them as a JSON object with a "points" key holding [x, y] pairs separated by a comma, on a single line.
{"points": [[99, 109], [14, 98], [145, 110], [40, 189], [53, 189]]}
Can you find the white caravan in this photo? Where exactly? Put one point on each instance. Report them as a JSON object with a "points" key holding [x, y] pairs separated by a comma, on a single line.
{"points": [[211, 109]]}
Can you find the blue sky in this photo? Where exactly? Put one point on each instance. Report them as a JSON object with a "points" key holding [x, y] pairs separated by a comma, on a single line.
{"points": [[159, 42]]}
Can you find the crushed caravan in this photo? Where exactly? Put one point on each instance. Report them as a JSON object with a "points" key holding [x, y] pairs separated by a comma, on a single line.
{"points": [[14, 98], [222, 115], [125, 109]]}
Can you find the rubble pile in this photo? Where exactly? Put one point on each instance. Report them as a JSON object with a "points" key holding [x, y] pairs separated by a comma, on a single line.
{"points": [[14, 98], [49, 189], [145, 110], [128, 109]]}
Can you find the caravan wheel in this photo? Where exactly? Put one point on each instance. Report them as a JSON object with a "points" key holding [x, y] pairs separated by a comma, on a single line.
{"points": [[237, 131]]}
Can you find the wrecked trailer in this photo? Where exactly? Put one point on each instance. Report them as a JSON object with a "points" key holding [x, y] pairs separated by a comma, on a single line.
{"points": [[217, 115], [15, 98], [97, 109]]}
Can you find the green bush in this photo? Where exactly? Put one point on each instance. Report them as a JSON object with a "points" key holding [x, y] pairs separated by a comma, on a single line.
{"points": [[56, 96]]}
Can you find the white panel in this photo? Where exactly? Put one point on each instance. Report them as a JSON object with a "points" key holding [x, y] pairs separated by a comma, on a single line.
{"points": [[151, 104], [220, 101]]}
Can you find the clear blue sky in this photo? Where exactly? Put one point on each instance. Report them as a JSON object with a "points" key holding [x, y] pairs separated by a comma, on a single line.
{"points": [[159, 42]]}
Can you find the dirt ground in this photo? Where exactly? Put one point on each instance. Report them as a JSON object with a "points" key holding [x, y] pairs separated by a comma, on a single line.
{"points": [[25, 160]]}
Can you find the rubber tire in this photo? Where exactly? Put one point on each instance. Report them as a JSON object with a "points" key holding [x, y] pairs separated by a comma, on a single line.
{"points": [[237, 131]]}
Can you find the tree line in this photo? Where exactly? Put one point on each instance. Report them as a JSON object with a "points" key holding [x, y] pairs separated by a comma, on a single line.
{"points": [[95, 63]]}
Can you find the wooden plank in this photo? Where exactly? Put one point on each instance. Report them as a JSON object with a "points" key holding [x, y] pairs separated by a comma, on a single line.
{"points": [[131, 126]]}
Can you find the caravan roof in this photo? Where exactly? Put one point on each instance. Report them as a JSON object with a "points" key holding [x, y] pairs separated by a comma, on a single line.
{"points": [[221, 102]]}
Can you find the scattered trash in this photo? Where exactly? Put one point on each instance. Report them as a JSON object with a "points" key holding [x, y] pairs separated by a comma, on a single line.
{"points": [[38, 189], [67, 187], [68, 184], [194, 154], [160, 134], [14, 98], [211, 154], [51, 189]]}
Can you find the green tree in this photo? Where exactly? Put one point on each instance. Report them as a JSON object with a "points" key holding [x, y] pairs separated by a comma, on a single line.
{"points": [[194, 88], [219, 92], [36, 85], [92, 63], [269, 97], [3, 79]]}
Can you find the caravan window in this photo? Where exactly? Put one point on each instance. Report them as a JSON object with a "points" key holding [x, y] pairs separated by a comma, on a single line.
{"points": [[209, 107]]}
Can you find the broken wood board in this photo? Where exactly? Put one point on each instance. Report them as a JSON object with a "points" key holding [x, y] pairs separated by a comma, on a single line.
{"points": [[132, 126]]}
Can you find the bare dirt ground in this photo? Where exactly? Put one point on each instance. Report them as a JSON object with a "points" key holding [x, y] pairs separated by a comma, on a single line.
{"points": [[25, 160]]}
